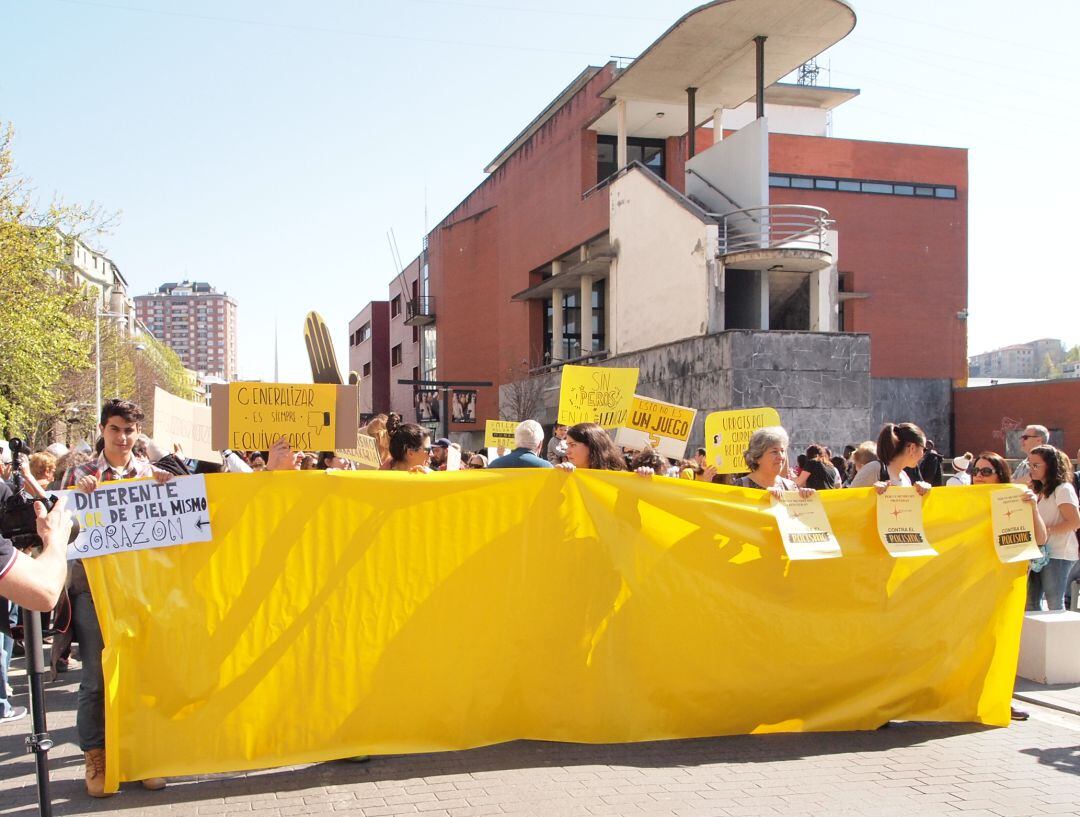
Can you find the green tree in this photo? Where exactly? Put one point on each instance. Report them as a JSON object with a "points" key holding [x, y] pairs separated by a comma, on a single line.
{"points": [[44, 325]]}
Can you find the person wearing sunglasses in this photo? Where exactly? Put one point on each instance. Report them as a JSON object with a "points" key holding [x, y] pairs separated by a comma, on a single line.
{"points": [[410, 446], [991, 469], [1030, 437], [476, 461], [1051, 480]]}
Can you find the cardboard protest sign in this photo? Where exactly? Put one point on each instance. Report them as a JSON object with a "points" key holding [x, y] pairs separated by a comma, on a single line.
{"points": [[499, 433], [900, 523], [596, 394], [1014, 526], [728, 432], [181, 422], [129, 515], [804, 527], [312, 417], [366, 454], [663, 426]]}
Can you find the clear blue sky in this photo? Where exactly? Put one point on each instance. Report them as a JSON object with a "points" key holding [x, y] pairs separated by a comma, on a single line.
{"points": [[268, 147]]}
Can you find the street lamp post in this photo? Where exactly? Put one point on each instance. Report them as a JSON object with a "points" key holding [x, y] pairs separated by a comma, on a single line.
{"points": [[98, 315]]}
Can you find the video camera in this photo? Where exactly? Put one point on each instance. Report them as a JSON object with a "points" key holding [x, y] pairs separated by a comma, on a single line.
{"points": [[18, 522]]}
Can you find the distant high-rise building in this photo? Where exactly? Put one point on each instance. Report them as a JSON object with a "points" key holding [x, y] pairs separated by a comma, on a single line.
{"points": [[195, 321]]}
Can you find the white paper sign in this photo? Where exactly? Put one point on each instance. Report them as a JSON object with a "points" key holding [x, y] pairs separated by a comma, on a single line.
{"points": [[804, 527], [129, 515], [900, 523]]}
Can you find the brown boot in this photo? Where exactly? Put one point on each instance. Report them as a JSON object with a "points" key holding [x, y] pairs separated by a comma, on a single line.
{"points": [[95, 773], [154, 783]]}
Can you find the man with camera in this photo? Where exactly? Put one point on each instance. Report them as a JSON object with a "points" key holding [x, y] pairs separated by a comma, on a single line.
{"points": [[32, 583], [119, 431]]}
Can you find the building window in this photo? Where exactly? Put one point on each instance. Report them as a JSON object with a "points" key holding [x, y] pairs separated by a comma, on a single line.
{"points": [[395, 306], [395, 355], [367, 370], [650, 152], [862, 186], [363, 333], [595, 318]]}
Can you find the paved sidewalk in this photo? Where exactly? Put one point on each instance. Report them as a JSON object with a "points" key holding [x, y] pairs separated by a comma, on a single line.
{"points": [[1062, 697], [1031, 768]]}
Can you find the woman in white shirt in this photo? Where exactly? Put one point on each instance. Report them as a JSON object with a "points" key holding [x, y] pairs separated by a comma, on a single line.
{"points": [[899, 446], [1051, 479]]}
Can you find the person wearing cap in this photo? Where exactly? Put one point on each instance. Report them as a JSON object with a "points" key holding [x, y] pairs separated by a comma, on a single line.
{"points": [[528, 442], [438, 454], [961, 464]]}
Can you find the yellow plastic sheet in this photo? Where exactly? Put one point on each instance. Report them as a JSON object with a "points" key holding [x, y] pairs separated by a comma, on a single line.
{"points": [[372, 613]]}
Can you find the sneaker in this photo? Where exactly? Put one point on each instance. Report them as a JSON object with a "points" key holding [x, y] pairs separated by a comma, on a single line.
{"points": [[17, 713], [154, 783], [1018, 714], [95, 773]]}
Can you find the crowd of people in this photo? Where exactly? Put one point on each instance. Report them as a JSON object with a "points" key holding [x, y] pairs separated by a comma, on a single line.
{"points": [[900, 456]]}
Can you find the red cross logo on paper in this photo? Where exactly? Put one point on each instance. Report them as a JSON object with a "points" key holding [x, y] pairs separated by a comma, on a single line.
{"points": [[1009, 513], [896, 512]]}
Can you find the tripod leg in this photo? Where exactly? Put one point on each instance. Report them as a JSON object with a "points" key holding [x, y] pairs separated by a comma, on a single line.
{"points": [[38, 741]]}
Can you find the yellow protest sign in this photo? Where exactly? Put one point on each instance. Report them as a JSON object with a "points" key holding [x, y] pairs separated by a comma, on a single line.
{"points": [[1014, 526], [302, 413], [804, 527], [607, 607], [900, 523], [595, 394], [366, 454], [499, 433], [728, 432], [664, 426]]}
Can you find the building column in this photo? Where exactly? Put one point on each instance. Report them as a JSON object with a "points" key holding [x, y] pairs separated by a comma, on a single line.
{"points": [[585, 314], [763, 298], [759, 74], [691, 122], [611, 326], [718, 124], [620, 134], [558, 346]]}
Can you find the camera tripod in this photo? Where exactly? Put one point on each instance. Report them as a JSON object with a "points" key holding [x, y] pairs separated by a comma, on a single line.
{"points": [[38, 741]]}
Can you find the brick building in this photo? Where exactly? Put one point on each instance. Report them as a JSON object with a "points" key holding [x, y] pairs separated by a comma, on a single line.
{"points": [[195, 321], [754, 220]]}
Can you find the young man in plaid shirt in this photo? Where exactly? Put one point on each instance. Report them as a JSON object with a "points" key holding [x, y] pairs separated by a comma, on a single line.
{"points": [[119, 430]]}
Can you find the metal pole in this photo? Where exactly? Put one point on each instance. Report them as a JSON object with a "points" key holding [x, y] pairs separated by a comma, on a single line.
{"points": [[759, 43], [97, 361], [691, 121], [446, 412], [38, 742]]}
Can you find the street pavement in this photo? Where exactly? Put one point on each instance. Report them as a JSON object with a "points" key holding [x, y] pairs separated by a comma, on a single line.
{"points": [[1031, 768]]}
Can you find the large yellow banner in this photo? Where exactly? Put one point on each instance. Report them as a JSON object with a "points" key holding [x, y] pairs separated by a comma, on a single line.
{"points": [[344, 613]]}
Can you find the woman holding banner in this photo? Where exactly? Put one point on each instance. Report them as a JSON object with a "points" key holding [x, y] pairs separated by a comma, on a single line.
{"points": [[899, 446], [410, 446], [766, 457]]}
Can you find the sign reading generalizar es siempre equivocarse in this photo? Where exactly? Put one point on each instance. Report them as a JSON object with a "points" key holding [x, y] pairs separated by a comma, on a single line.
{"points": [[303, 413]]}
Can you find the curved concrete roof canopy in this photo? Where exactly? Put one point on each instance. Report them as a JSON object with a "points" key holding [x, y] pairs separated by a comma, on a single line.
{"points": [[712, 49]]}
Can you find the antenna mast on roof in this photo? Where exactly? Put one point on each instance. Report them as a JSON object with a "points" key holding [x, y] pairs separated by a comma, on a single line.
{"points": [[400, 270], [808, 73]]}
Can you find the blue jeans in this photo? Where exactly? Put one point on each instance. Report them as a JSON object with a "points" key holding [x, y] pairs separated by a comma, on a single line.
{"points": [[6, 643], [90, 717], [1050, 581]]}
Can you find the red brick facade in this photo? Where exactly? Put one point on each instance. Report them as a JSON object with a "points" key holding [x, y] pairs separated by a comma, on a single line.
{"points": [[983, 415]]}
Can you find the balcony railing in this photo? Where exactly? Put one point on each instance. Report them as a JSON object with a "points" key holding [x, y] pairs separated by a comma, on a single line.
{"points": [[773, 227], [420, 311]]}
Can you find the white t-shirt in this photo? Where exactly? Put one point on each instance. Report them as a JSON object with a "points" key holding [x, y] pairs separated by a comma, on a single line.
{"points": [[959, 478], [1059, 545], [870, 474]]}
